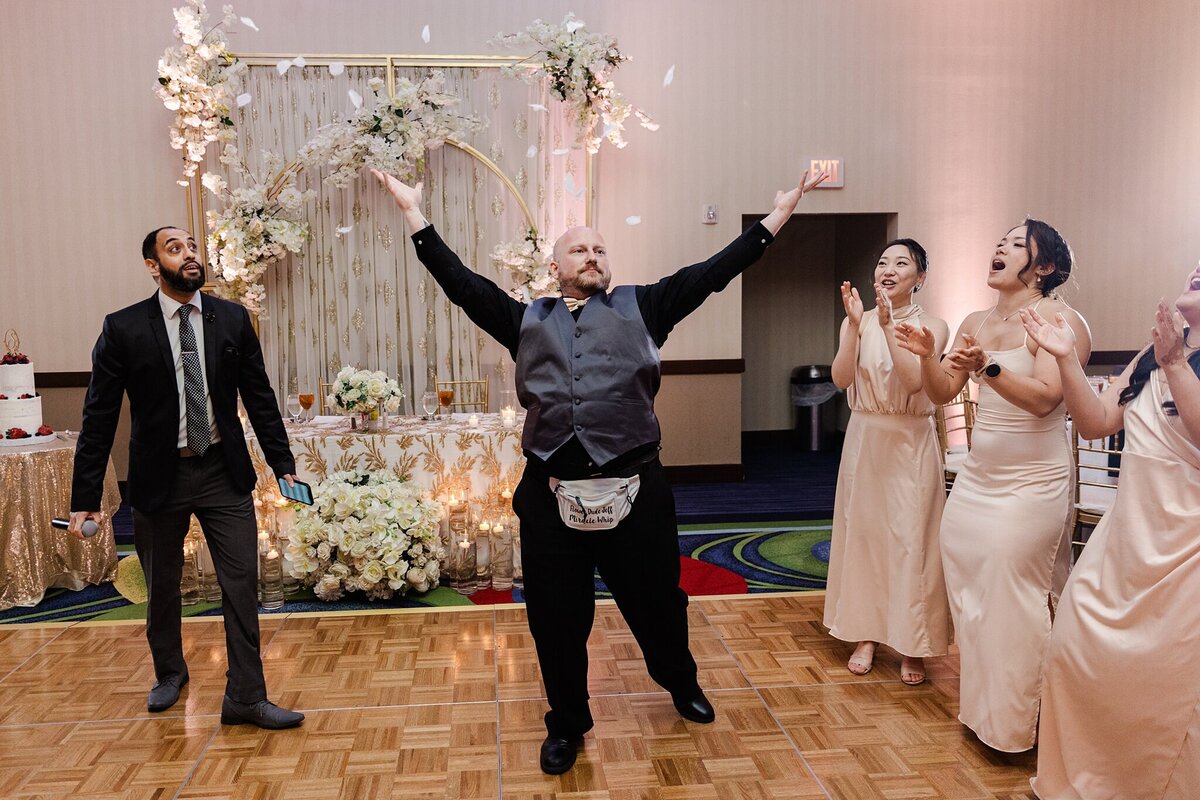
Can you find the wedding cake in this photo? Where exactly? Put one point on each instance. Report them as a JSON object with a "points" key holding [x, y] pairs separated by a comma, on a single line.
{"points": [[20, 404]]}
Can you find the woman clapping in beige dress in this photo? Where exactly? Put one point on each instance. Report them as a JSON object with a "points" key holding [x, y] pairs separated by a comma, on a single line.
{"points": [[885, 567], [1005, 530], [1121, 705]]}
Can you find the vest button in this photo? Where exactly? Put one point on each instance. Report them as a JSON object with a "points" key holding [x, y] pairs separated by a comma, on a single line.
{"points": [[577, 401], [578, 427], [578, 377], [579, 355], [578, 333]]}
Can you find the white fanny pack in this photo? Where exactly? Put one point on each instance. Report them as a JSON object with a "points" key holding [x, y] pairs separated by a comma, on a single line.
{"points": [[595, 504]]}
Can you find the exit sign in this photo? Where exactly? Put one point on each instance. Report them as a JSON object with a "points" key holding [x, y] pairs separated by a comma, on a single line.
{"points": [[834, 166]]}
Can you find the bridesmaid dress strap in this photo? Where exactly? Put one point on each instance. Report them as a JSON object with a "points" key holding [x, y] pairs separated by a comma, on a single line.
{"points": [[985, 319]]}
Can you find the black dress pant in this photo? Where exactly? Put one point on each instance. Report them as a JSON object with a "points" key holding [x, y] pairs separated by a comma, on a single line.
{"points": [[639, 562], [202, 487]]}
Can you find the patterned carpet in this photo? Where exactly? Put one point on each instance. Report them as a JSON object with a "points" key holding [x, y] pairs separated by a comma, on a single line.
{"points": [[718, 559]]}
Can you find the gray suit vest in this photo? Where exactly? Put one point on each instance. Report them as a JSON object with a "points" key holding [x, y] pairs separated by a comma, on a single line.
{"points": [[594, 378]]}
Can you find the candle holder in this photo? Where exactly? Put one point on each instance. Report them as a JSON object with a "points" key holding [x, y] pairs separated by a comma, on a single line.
{"points": [[502, 556], [189, 582], [508, 408], [462, 562], [270, 574], [483, 555], [210, 587], [518, 572]]}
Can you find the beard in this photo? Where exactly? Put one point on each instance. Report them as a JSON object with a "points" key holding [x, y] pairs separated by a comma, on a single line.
{"points": [[589, 283], [177, 280]]}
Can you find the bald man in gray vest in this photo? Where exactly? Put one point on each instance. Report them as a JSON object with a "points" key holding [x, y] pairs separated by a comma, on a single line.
{"points": [[593, 495]]}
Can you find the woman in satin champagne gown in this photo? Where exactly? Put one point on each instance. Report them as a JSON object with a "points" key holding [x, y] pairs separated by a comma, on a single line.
{"points": [[885, 566], [1005, 531], [1121, 704]]}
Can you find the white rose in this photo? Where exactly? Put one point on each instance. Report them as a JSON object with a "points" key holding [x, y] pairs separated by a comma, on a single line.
{"points": [[375, 84], [373, 572]]}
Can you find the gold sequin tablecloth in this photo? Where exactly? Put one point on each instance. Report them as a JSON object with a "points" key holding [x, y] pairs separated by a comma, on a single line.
{"points": [[36, 486], [435, 454]]}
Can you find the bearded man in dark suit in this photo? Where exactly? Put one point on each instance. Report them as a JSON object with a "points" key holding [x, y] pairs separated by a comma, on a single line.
{"points": [[183, 358]]}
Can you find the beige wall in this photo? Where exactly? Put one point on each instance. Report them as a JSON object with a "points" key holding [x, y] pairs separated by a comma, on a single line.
{"points": [[959, 117]]}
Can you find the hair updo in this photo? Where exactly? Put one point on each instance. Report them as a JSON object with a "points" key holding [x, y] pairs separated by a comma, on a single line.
{"points": [[1052, 250], [919, 256]]}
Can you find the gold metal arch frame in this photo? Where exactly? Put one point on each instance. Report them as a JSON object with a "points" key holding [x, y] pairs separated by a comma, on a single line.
{"points": [[194, 194]]}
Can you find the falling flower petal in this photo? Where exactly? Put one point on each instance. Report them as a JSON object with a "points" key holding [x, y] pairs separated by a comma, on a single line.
{"points": [[243, 100], [532, 151], [337, 68], [575, 25], [651, 126], [669, 77], [634, 220], [343, 231], [249, 23], [537, 106], [184, 183], [560, 151], [425, 34], [283, 66], [355, 98], [298, 61], [569, 186]]}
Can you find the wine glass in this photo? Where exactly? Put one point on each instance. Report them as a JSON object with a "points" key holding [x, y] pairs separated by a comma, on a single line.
{"points": [[445, 398], [429, 403], [306, 402], [293, 407]]}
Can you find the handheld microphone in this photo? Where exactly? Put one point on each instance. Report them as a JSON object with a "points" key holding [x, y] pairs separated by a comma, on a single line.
{"points": [[89, 526]]}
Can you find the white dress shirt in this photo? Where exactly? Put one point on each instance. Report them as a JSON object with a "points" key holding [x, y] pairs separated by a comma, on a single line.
{"points": [[170, 310]]}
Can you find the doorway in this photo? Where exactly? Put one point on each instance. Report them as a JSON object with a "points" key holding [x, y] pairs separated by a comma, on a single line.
{"points": [[792, 310]]}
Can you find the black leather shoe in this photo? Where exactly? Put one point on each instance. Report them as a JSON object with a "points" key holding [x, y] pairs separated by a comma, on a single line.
{"points": [[698, 709], [165, 693], [264, 714], [558, 754]]}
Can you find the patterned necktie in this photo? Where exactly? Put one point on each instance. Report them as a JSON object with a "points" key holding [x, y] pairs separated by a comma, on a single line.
{"points": [[199, 431]]}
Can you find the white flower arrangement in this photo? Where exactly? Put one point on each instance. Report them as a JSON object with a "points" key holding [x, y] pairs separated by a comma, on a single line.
{"points": [[367, 531], [197, 80], [578, 65], [254, 230], [528, 264], [361, 391], [391, 136]]}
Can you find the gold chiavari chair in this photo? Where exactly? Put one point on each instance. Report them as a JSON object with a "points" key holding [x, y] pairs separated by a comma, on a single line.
{"points": [[1097, 469], [468, 395], [323, 395], [955, 421]]}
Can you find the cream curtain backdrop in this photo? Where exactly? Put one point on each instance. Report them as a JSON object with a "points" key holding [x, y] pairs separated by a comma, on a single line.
{"points": [[361, 298]]}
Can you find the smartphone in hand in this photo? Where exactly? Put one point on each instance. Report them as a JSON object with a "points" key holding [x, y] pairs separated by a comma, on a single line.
{"points": [[301, 492]]}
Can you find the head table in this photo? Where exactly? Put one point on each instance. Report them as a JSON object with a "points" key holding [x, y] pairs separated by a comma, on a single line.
{"points": [[34, 557], [440, 455]]}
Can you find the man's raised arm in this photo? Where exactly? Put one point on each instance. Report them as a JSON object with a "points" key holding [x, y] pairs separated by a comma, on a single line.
{"points": [[666, 303], [488, 306]]}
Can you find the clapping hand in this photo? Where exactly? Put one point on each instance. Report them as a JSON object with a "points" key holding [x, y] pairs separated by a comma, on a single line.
{"points": [[853, 303], [1058, 339], [918, 341], [970, 358], [883, 306], [1167, 336]]}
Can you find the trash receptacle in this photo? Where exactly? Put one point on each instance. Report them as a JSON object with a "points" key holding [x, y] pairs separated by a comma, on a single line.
{"points": [[815, 399]]}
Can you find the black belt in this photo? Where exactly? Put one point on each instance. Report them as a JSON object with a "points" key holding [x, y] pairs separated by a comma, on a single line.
{"points": [[187, 452]]}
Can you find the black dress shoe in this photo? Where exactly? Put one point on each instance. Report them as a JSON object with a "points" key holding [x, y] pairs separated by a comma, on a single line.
{"points": [[558, 754], [264, 714], [165, 693], [698, 709]]}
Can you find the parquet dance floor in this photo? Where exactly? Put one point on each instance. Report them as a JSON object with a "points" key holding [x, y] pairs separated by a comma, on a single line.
{"points": [[447, 704]]}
